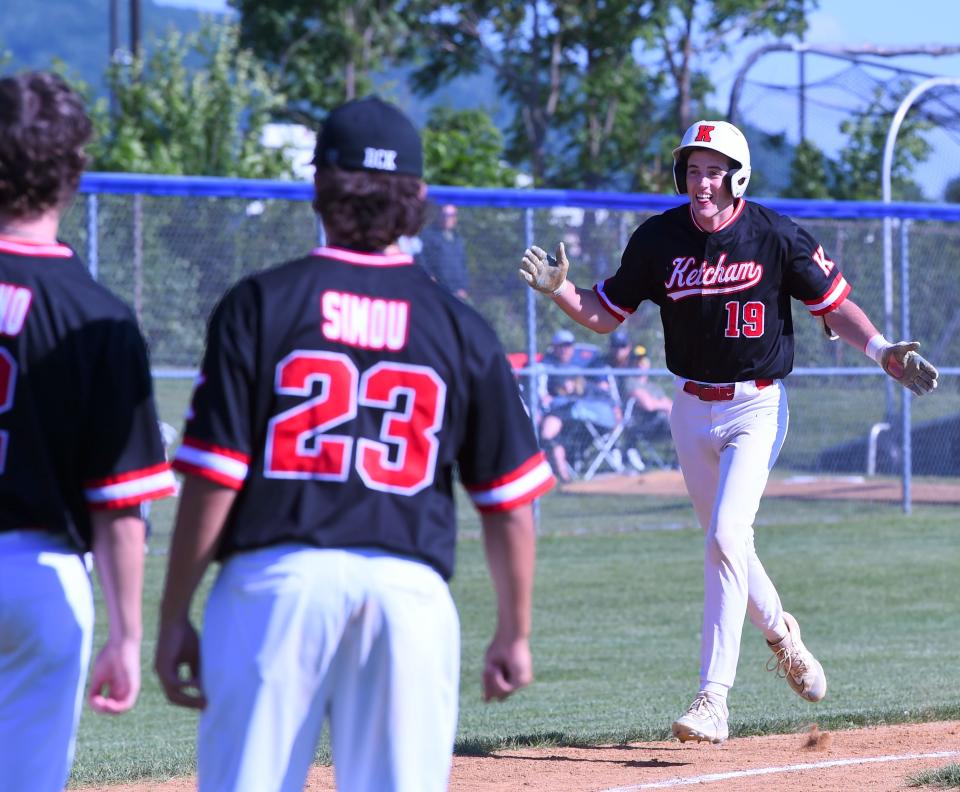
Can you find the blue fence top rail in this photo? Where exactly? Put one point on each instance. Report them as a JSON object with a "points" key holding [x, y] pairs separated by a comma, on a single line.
{"points": [[251, 189]]}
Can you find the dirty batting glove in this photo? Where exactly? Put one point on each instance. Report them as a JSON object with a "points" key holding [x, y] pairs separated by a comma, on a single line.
{"points": [[901, 362], [541, 271]]}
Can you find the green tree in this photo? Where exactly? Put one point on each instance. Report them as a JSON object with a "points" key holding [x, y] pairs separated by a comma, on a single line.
{"points": [[808, 173], [568, 67], [951, 193], [694, 36], [463, 147], [171, 118], [860, 167], [322, 54]]}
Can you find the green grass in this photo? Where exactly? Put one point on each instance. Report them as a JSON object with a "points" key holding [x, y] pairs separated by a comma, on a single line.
{"points": [[617, 618], [942, 778]]}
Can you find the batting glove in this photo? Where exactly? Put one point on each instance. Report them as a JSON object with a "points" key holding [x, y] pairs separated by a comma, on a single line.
{"points": [[911, 370], [543, 272]]}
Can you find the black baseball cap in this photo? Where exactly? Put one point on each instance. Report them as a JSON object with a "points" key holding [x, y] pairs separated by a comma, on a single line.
{"points": [[370, 135]]}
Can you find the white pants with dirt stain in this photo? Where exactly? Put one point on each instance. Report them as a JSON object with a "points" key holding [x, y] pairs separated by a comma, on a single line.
{"points": [[726, 450], [295, 635]]}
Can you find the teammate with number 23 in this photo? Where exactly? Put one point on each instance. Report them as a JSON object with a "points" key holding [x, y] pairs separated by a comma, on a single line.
{"points": [[723, 271], [338, 393]]}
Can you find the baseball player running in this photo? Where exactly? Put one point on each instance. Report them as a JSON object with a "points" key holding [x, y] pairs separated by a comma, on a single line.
{"points": [[338, 393], [722, 270], [80, 450]]}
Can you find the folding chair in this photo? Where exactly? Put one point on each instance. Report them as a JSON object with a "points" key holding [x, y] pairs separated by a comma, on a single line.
{"points": [[604, 422], [644, 431]]}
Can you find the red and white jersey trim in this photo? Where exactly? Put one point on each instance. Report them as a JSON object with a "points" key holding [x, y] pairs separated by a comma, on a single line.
{"points": [[222, 465], [618, 313], [131, 488], [726, 223], [832, 300], [37, 249], [529, 481], [364, 259]]}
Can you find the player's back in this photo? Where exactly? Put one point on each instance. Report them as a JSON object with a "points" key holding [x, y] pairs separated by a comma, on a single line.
{"points": [[367, 384], [62, 339]]}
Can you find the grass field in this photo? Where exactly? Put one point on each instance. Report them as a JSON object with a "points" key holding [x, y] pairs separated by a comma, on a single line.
{"points": [[617, 616]]}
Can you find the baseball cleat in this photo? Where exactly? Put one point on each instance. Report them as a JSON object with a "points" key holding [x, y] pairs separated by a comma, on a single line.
{"points": [[704, 721], [793, 661]]}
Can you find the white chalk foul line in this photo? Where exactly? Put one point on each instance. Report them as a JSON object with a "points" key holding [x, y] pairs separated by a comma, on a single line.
{"points": [[705, 779]]}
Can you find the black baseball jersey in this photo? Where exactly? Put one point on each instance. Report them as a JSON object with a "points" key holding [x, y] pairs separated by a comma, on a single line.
{"points": [[724, 296], [78, 425], [337, 394]]}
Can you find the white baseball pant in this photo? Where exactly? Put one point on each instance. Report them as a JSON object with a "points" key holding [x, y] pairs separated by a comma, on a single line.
{"points": [[46, 634], [294, 635], [726, 450]]}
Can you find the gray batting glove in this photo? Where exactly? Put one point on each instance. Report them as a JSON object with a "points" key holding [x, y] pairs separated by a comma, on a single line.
{"points": [[911, 370], [543, 272]]}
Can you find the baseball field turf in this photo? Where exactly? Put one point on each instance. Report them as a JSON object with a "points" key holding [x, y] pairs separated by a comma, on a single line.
{"points": [[617, 612]]}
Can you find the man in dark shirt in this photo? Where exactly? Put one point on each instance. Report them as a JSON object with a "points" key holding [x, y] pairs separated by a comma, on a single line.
{"points": [[444, 255]]}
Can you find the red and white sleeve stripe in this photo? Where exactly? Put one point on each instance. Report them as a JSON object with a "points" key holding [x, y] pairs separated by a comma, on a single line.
{"points": [[220, 465], [529, 481], [618, 312], [833, 298], [130, 489]]}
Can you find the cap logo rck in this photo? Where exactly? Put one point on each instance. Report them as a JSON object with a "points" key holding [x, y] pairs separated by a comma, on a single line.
{"points": [[703, 133], [380, 159]]}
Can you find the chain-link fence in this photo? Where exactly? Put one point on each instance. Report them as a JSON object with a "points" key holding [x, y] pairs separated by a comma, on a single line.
{"points": [[170, 247]]}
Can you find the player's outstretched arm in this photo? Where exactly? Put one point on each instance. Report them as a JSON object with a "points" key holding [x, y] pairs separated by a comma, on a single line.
{"points": [[201, 516], [510, 543], [547, 274], [118, 539], [900, 360]]}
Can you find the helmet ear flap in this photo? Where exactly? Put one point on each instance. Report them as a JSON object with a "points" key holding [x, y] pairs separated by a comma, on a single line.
{"points": [[680, 174], [737, 180]]}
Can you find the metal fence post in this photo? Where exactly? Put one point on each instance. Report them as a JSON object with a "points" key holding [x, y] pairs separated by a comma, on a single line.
{"points": [[532, 401], [905, 334], [93, 248]]}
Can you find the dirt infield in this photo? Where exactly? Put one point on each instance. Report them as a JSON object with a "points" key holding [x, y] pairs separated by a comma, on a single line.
{"points": [[878, 759], [887, 489]]}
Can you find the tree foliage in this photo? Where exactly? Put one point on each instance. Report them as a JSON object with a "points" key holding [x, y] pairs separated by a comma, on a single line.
{"points": [[322, 54], [860, 166], [464, 148], [170, 118], [951, 193], [567, 67], [600, 89], [808, 173], [694, 36]]}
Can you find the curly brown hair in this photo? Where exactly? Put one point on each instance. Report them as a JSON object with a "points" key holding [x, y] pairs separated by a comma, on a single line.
{"points": [[43, 129], [368, 211]]}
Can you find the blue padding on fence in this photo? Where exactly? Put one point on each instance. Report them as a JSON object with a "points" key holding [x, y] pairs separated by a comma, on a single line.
{"points": [[213, 187], [198, 186]]}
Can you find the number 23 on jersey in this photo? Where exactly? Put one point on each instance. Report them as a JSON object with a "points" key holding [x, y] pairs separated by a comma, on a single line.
{"points": [[302, 442]]}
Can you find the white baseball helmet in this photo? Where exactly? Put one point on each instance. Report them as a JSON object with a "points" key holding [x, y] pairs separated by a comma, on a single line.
{"points": [[717, 136]]}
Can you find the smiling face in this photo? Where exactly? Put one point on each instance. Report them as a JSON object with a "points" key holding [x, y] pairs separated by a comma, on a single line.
{"points": [[710, 197]]}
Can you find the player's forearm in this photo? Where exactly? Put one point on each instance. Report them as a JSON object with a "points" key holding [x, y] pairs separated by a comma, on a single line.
{"points": [[510, 543], [201, 516], [583, 306], [118, 540], [851, 324]]}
